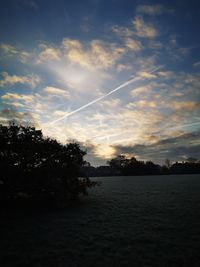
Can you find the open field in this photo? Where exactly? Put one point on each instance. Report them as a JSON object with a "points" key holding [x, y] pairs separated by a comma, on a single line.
{"points": [[127, 221]]}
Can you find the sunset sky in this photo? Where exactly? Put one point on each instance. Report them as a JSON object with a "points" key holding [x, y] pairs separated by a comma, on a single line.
{"points": [[61, 61]]}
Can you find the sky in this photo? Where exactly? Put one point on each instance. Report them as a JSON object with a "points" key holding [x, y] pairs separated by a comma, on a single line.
{"points": [[117, 76]]}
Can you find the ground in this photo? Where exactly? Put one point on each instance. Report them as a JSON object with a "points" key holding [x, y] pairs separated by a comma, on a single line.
{"points": [[127, 221]]}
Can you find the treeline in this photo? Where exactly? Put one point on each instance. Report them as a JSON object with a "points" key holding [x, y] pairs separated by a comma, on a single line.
{"points": [[121, 165], [38, 169]]}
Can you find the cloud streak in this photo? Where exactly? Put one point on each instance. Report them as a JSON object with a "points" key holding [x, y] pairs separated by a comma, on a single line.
{"points": [[10, 80], [150, 9], [56, 92], [8, 50]]}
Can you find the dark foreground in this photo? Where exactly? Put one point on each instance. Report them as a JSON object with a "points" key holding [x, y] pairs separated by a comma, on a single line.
{"points": [[127, 221]]}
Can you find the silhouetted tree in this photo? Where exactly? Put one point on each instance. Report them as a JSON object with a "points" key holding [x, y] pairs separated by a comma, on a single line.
{"points": [[152, 168], [121, 165], [185, 168], [125, 166], [39, 168], [118, 163]]}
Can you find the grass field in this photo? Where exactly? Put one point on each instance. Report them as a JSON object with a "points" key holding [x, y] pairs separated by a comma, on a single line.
{"points": [[127, 221]]}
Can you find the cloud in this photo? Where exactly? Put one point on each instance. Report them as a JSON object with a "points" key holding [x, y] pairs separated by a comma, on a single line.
{"points": [[113, 122], [196, 64], [184, 51], [175, 50], [187, 83], [98, 55], [9, 80], [188, 105], [42, 106], [157, 109], [48, 53], [146, 62], [144, 104], [96, 100], [136, 129], [59, 113], [142, 90], [8, 50], [106, 123], [128, 38], [111, 103], [166, 74], [124, 67], [104, 151], [176, 148], [143, 29], [133, 44], [150, 9], [122, 31], [154, 45], [14, 96], [146, 75], [17, 105], [159, 101], [191, 79], [10, 114], [56, 91]]}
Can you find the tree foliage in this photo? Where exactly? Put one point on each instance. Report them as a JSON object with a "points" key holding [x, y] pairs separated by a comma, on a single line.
{"points": [[131, 166], [38, 167], [121, 165]]}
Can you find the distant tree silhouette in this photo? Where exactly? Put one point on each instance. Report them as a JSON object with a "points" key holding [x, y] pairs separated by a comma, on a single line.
{"points": [[185, 167], [168, 163], [121, 165], [118, 163], [131, 166], [152, 168], [39, 168]]}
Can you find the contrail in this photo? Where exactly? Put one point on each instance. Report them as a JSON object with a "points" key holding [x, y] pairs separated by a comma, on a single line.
{"points": [[102, 97]]}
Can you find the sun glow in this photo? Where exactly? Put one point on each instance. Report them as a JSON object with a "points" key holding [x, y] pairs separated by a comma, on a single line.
{"points": [[104, 150], [73, 77]]}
